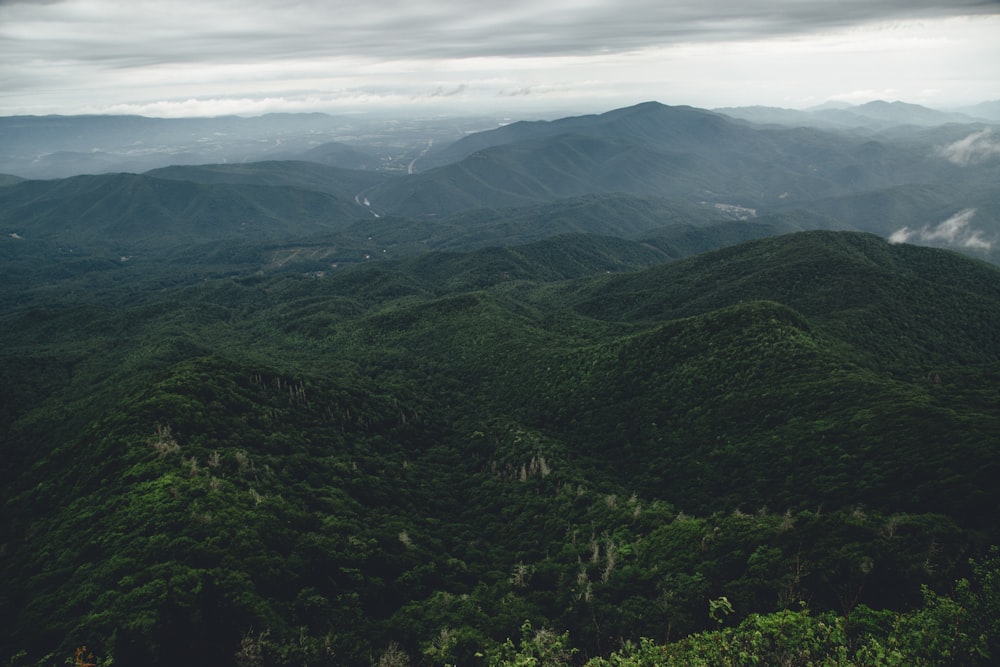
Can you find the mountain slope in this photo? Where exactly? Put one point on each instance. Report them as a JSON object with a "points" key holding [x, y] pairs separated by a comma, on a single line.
{"points": [[675, 152], [646, 121], [337, 154], [128, 211], [317, 467], [859, 284], [332, 180]]}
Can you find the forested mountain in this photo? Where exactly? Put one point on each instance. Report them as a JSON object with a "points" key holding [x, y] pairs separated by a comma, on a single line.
{"points": [[593, 392], [342, 183], [454, 444], [128, 212], [652, 150]]}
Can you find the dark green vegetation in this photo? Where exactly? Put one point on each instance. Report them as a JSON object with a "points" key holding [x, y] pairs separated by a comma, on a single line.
{"points": [[245, 421], [431, 451]]}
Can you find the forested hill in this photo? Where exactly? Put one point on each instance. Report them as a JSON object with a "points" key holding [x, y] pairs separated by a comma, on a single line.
{"points": [[404, 461]]}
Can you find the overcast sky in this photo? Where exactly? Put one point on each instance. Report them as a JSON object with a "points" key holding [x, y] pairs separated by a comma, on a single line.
{"points": [[211, 57]]}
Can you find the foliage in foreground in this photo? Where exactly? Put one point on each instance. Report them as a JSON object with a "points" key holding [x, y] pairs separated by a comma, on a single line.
{"points": [[960, 629]]}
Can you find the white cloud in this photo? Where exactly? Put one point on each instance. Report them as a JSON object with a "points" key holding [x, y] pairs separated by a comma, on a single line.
{"points": [[975, 240], [902, 235], [951, 229], [65, 56], [955, 231], [976, 148]]}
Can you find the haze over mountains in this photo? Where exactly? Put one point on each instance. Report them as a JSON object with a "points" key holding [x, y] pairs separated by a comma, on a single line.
{"points": [[322, 391], [876, 114], [890, 168]]}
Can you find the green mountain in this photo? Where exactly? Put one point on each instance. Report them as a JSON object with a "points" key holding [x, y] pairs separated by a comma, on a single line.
{"points": [[413, 457], [901, 178], [129, 212], [675, 152], [339, 182], [661, 124]]}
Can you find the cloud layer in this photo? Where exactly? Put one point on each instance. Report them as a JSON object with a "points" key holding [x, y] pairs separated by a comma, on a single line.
{"points": [[292, 49]]}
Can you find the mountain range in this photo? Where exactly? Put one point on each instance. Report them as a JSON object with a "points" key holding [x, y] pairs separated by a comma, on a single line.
{"points": [[904, 177], [875, 115], [592, 375]]}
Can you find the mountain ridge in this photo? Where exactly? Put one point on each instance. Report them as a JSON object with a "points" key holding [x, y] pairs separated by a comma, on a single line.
{"points": [[130, 211]]}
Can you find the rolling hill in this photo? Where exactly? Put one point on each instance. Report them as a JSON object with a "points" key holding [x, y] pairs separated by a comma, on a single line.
{"points": [[316, 467], [302, 175], [131, 212]]}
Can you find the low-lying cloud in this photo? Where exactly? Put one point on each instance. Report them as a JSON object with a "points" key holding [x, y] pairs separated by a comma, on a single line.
{"points": [[976, 148], [955, 231]]}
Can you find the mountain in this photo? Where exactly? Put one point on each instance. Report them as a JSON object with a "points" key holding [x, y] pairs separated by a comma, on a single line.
{"points": [[303, 175], [534, 173], [423, 453], [650, 151], [875, 115], [764, 115], [337, 154], [902, 113], [673, 127], [986, 110], [684, 240], [129, 212], [674, 152]]}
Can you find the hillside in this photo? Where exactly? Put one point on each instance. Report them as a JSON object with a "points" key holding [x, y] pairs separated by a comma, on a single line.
{"points": [[331, 180], [683, 153], [129, 212], [912, 174], [425, 452]]}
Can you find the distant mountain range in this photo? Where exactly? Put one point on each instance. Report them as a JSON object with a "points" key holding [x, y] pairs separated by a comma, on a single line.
{"points": [[908, 179], [875, 115], [677, 152], [132, 212]]}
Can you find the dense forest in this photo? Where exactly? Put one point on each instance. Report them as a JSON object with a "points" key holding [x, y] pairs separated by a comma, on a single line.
{"points": [[608, 430], [426, 454]]}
